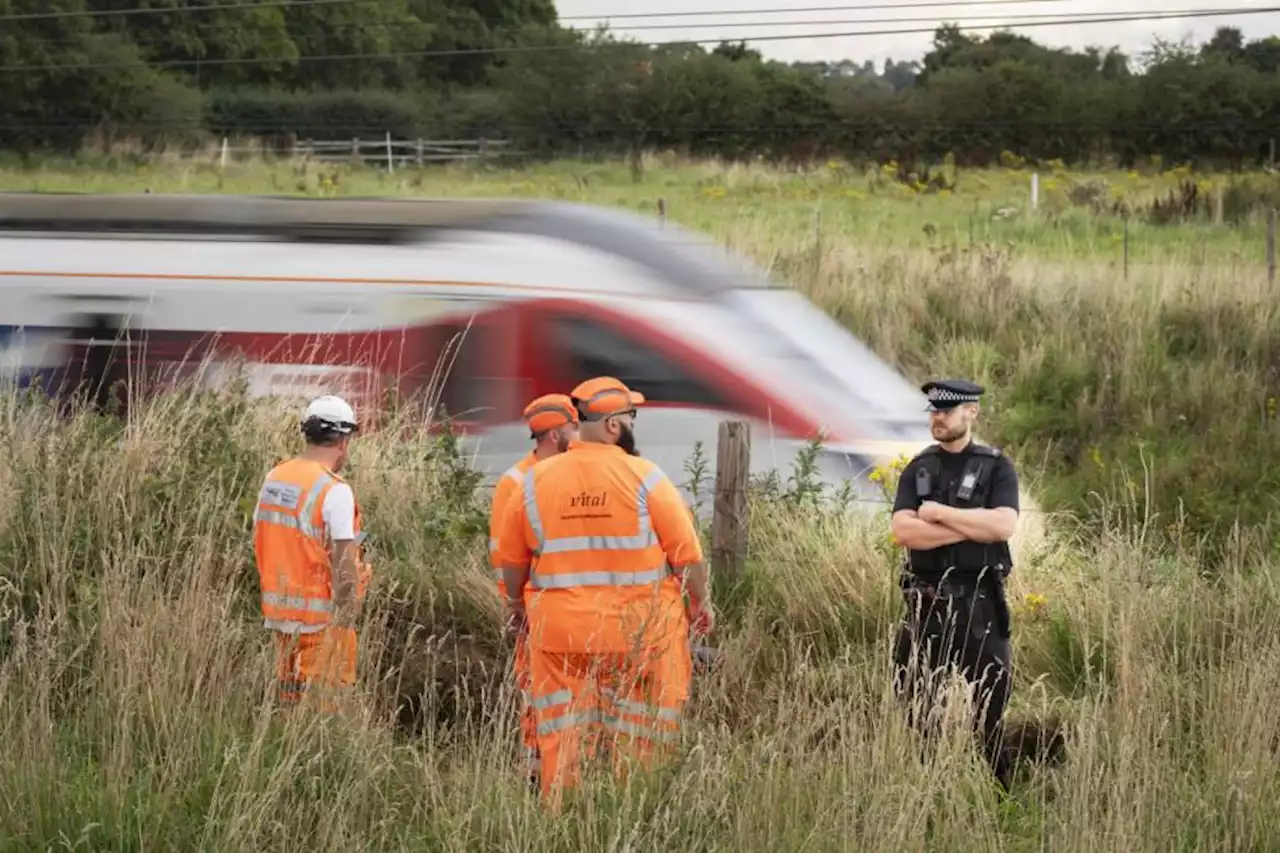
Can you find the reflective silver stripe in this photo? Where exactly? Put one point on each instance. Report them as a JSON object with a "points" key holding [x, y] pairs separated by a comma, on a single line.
{"points": [[566, 721], [280, 519], [595, 715], [566, 580], [643, 710], [275, 516], [292, 626], [607, 392], [549, 407], [644, 537], [565, 544], [560, 697], [637, 730], [642, 497], [517, 476], [531, 512], [309, 508], [297, 602]]}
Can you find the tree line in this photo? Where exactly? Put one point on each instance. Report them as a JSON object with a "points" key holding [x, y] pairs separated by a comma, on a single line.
{"points": [[510, 69]]}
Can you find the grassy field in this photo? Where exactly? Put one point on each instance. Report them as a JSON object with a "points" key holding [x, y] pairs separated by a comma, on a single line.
{"points": [[1140, 406]]}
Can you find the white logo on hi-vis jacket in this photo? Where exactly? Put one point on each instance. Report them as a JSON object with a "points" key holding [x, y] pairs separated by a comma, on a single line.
{"points": [[282, 494]]}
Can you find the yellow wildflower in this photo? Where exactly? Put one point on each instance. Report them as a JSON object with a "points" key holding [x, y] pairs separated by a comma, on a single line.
{"points": [[1035, 604]]}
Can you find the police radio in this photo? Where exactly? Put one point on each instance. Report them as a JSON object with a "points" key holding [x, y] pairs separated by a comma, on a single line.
{"points": [[968, 482]]}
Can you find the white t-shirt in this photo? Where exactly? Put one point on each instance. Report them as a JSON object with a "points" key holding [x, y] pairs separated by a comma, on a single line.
{"points": [[339, 512]]}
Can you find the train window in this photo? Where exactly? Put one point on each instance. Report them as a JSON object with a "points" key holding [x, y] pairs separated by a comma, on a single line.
{"points": [[594, 349], [99, 352], [471, 378]]}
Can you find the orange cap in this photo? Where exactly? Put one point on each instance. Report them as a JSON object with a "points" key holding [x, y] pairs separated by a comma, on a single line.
{"points": [[603, 396], [548, 412]]}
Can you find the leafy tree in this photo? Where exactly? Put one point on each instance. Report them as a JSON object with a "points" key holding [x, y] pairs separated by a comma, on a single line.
{"points": [[508, 68], [64, 80]]}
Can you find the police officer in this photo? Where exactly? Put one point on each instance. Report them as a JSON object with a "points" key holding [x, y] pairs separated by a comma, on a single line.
{"points": [[956, 508]]}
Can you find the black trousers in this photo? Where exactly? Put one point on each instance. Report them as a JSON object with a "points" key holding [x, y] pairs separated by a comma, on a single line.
{"points": [[961, 625]]}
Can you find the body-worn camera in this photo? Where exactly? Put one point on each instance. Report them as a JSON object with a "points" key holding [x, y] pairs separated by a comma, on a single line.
{"points": [[924, 483]]}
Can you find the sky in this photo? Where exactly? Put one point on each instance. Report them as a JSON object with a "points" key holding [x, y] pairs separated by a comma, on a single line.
{"points": [[1132, 37]]}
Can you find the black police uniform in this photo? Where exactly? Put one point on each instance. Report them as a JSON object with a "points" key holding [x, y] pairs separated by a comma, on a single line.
{"points": [[956, 608]]}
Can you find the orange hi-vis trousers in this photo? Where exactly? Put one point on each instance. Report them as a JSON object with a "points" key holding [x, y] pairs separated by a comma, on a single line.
{"points": [[320, 665], [528, 723], [626, 703]]}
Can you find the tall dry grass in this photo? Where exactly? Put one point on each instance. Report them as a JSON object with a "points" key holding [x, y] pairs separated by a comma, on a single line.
{"points": [[135, 679], [135, 683], [1152, 393]]}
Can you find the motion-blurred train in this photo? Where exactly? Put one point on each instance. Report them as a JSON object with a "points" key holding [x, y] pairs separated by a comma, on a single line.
{"points": [[491, 303]]}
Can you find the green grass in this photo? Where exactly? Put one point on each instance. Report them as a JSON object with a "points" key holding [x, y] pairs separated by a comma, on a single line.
{"points": [[133, 672]]}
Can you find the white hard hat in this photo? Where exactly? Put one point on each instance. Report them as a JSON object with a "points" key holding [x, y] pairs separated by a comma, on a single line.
{"points": [[329, 414]]}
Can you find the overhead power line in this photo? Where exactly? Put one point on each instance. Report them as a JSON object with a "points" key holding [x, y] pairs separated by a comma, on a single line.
{"points": [[381, 26], [562, 48], [1066, 17], [194, 8], [153, 10], [220, 26], [776, 11]]}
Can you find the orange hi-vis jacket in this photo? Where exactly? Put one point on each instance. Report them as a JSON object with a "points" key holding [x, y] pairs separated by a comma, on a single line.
{"points": [[292, 547], [508, 487], [605, 535]]}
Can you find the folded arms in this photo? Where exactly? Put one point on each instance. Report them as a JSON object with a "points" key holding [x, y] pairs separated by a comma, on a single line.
{"points": [[936, 525]]}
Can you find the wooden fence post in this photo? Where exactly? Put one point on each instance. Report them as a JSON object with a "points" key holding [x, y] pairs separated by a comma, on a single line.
{"points": [[729, 524], [662, 212]]}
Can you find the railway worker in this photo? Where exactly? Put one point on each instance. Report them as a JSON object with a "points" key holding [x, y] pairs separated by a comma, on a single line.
{"points": [[956, 509], [612, 546], [307, 540], [553, 423]]}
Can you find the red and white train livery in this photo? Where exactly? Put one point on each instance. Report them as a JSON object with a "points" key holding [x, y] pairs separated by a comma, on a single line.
{"points": [[356, 294]]}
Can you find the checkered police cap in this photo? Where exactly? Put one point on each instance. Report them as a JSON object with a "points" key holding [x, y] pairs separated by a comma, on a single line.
{"points": [[944, 394]]}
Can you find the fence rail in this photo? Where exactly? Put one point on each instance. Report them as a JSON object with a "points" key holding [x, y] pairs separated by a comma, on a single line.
{"points": [[386, 151]]}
